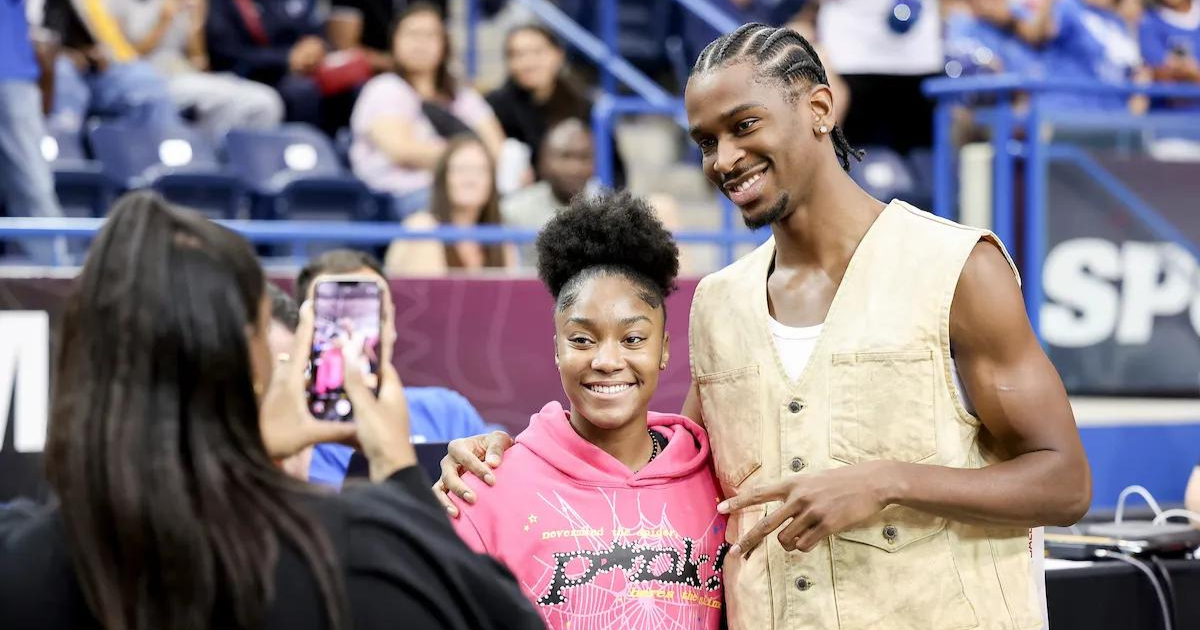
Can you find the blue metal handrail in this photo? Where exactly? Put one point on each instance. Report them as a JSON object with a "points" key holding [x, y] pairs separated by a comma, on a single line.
{"points": [[1004, 121], [1008, 83], [362, 233]]}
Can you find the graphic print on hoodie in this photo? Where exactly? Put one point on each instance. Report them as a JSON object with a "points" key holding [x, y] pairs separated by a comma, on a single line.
{"points": [[596, 546]]}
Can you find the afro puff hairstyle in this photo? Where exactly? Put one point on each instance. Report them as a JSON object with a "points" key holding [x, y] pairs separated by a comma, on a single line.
{"points": [[602, 234]]}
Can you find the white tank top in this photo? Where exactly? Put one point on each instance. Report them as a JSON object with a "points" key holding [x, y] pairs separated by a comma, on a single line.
{"points": [[795, 346]]}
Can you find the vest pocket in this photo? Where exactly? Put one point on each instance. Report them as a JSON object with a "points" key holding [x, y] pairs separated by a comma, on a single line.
{"points": [[730, 401], [897, 571], [882, 406]]}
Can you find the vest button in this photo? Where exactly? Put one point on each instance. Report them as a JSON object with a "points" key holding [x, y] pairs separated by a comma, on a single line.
{"points": [[890, 533], [803, 583], [795, 406], [798, 464]]}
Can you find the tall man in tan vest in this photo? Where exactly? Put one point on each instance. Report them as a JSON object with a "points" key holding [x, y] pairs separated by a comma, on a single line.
{"points": [[882, 418]]}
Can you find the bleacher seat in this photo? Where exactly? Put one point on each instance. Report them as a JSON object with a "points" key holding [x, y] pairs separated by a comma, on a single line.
{"points": [[294, 172], [883, 174], [83, 189], [174, 160]]}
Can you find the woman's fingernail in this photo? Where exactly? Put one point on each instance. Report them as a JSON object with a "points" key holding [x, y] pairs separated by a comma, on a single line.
{"points": [[469, 497], [735, 550], [452, 510], [489, 479], [493, 461], [723, 507]]}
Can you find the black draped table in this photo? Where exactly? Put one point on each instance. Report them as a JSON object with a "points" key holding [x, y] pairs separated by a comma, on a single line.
{"points": [[1112, 595]]}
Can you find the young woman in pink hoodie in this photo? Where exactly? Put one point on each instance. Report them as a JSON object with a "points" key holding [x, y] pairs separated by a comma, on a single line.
{"points": [[606, 513]]}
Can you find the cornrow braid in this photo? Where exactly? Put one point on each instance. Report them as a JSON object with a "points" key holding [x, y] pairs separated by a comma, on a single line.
{"points": [[781, 54]]}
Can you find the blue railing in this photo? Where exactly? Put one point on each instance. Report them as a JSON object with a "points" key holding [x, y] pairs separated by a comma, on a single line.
{"points": [[355, 233], [1004, 121]]}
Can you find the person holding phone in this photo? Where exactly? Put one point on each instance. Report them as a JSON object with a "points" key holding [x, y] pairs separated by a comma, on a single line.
{"points": [[165, 427], [606, 512], [435, 414], [887, 431]]}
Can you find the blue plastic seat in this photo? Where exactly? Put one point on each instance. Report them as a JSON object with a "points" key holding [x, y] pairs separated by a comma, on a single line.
{"points": [[174, 160], [82, 188], [294, 172]]}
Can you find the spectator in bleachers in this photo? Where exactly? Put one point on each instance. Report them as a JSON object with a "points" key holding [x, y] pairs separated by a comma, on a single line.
{"points": [[365, 25], [279, 43], [403, 121], [1170, 40], [975, 44], [170, 35], [1170, 43], [170, 511], [567, 166], [1079, 39], [26, 183], [98, 72], [463, 195], [884, 50], [436, 414], [539, 92], [566, 163]]}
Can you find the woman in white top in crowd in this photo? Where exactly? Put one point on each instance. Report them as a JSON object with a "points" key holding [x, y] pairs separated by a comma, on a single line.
{"points": [[402, 121], [170, 35], [463, 195]]}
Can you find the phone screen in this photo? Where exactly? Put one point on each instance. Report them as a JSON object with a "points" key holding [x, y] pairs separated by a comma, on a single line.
{"points": [[346, 313]]}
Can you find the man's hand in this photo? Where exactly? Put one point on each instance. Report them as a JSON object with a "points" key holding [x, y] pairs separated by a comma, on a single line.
{"points": [[817, 505], [478, 455]]}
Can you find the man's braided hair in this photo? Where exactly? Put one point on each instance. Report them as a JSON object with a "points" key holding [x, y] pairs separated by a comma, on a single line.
{"points": [[780, 54]]}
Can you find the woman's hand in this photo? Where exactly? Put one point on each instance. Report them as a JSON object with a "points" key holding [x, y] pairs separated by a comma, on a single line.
{"points": [[286, 425], [478, 455]]}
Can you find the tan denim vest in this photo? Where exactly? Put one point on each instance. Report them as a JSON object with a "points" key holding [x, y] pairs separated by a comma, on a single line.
{"points": [[878, 387]]}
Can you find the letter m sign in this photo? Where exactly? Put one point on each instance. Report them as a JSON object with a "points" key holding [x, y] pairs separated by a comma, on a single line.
{"points": [[24, 378]]}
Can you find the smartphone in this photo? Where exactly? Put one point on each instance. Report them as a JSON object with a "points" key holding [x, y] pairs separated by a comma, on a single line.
{"points": [[347, 311]]}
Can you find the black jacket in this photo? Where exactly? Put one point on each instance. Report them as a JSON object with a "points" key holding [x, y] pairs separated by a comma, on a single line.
{"points": [[403, 566]]}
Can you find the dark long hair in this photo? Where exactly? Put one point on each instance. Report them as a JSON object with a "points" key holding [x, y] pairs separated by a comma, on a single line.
{"points": [[172, 507], [441, 207], [444, 81], [569, 99]]}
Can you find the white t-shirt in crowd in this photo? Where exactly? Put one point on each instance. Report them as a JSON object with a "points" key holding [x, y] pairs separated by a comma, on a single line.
{"points": [[856, 38], [795, 346]]}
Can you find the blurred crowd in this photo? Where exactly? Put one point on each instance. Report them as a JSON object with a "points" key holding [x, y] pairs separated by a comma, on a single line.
{"points": [[381, 77]]}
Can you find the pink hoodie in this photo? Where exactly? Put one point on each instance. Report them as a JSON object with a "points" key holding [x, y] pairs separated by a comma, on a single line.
{"points": [[596, 546]]}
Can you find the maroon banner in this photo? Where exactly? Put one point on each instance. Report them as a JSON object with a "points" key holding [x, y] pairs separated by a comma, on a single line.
{"points": [[491, 340]]}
